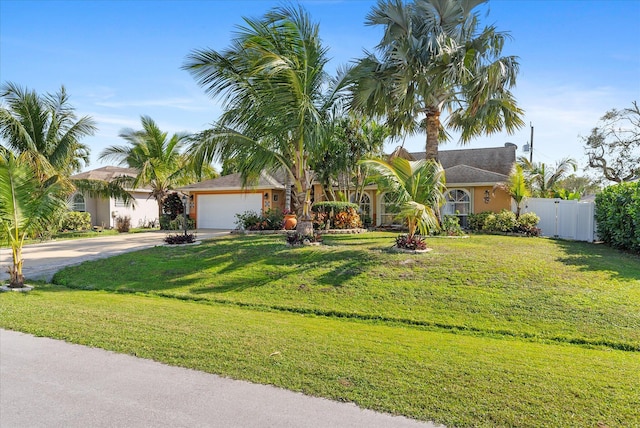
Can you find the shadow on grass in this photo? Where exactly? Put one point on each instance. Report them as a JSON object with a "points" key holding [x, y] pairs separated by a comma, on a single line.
{"points": [[599, 257], [218, 266]]}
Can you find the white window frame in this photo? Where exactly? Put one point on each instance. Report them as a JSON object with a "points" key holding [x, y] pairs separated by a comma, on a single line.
{"points": [[76, 205]]}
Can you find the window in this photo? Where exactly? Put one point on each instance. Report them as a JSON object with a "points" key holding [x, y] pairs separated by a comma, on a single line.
{"points": [[388, 209], [458, 202], [365, 205], [119, 203], [78, 203]]}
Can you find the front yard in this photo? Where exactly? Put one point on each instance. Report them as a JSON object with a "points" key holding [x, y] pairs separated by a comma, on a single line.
{"points": [[485, 331]]}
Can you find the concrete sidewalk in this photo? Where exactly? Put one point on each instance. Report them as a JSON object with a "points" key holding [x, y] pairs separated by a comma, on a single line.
{"points": [[42, 261], [51, 383]]}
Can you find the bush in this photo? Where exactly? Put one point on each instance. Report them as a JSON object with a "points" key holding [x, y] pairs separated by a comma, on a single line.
{"points": [[618, 216], [123, 224], [172, 205], [451, 226], [74, 220], [297, 239], [189, 238], [338, 215], [416, 242], [476, 221], [504, 221], [250, 220]]}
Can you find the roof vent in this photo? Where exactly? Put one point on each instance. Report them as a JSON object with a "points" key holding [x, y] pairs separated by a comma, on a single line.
{"points": [[511, 145]]}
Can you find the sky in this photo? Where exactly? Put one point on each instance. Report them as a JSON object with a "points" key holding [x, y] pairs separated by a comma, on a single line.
{"points": [[119, 60]]}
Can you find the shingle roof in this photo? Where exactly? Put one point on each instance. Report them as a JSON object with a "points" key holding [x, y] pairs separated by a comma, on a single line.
{"points": [[234, 181], [494, 159], [466, 174], [106, 173]]}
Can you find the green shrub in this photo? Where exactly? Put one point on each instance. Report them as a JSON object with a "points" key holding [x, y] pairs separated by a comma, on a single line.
{"points": [[451, 226], [335, 206], [618, 216], [416, 242], [172, 205], [528, 220], [504, 221], [251, 220], [476, 221], [75, 220]]}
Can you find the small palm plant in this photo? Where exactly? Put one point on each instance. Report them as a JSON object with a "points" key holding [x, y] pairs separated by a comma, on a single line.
{"points": [[26, 205], [417, 187], [516, 186]]}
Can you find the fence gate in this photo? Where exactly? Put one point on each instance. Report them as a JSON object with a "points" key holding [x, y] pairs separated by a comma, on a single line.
{"points": [[564, 219]]}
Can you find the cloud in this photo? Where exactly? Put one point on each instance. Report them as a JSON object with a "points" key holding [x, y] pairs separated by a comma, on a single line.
{"points": [[187, 104]]}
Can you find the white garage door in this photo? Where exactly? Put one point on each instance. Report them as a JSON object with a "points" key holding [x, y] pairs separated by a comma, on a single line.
{"points": [[219, 211]]}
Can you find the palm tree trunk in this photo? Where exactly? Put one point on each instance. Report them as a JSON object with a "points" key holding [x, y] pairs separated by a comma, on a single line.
{"points": [[16, 279], [433, 131]]}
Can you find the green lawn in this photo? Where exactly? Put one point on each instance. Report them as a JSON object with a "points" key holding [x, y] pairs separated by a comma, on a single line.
{"points": [[485, 331]]}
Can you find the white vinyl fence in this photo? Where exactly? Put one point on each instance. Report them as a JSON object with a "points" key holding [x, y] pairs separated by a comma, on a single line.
{"points": [[564, 219]]}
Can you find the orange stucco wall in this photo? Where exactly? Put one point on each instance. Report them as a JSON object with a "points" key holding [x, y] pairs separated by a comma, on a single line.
{"points": [[497, 202]]}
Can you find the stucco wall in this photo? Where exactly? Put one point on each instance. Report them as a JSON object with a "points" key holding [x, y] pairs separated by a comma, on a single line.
{"points": [[497, 202]]}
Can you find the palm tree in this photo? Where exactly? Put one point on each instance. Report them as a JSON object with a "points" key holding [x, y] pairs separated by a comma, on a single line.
{"points": [[277, 100], [26, 205], [516, 186], [156, 156], [44, 130], [435, 59], [544, 180], [417, 187]]}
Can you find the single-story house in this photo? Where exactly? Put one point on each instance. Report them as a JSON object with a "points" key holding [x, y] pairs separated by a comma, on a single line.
{"points": [[104, 211], [470, 173]]}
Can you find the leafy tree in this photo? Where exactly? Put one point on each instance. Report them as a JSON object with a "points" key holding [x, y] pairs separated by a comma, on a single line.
{"points": [[435, 58], [44, 130], [542, 179], [613, 147], [277, 100], [516, 186], [26, 205], [155, 156], [582, 185], [417, 187]]}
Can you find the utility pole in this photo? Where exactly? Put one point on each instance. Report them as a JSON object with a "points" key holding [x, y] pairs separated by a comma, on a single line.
{"points": [[531, 144]]}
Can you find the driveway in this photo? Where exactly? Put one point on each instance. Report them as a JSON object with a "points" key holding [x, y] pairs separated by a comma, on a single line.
{"points": [[42, 261]]}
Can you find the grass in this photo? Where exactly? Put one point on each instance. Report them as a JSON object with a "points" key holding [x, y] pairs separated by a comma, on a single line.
{"points": [[486, 331]]}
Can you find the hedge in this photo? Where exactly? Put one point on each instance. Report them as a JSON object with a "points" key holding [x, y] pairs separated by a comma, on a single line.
{"points": [[618, 216]]}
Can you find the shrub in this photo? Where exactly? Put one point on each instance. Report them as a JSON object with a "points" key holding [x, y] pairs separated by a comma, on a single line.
{"points": [[189, 238], [618, 216], [123, 224], [416, 242], [451, 226], [172, 205], [339, 215], [504, 221], [476, 221], [250, 220], [297, 239], [74, 220], [176, 224]]}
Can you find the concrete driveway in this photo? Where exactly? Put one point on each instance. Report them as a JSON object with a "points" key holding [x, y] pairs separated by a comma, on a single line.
{"points": [[41, 261]]}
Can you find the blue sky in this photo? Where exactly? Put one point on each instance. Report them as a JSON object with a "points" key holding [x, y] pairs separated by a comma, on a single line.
{"points": [[121, 59]]}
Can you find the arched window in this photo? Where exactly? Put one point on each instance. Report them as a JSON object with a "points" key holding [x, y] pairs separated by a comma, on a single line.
{"points": [[388, 209], [78, 203], [458, 202]]}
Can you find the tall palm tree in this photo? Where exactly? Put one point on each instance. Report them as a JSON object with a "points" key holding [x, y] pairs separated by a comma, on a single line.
{"points": [[543, 179], [277, 99], [516, 186], [26, 205], [434, 58], [155, 155], [417, 187], [44, 130]]}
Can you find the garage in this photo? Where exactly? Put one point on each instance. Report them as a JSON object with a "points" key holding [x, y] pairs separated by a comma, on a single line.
{"points": [[219, 211]]}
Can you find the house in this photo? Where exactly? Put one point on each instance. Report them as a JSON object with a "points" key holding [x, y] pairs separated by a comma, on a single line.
{"points": [[104, 211], [470, 173]]}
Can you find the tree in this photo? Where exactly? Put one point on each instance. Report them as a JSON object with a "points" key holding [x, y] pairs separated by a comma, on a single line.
{"points": [[417, 187], [156, 156], [613, 147], [26, 205], [434, 58], [516, 186], [542, 179], [44, 130], [277, 100]]}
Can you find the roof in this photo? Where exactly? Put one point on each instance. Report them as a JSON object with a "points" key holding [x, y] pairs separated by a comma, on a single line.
{"points": [[465, 174], [495, 159], [234, 182], [106, 173]]}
